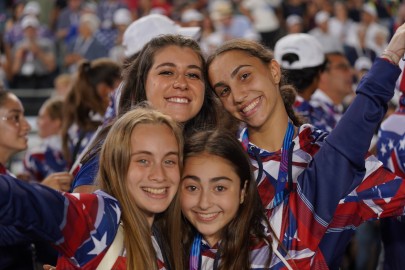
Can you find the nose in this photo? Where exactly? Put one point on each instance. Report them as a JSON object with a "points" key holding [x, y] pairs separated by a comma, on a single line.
{"points": [[180, 83], [24, 124], [204, 201], [239, 95], [157, 173]]}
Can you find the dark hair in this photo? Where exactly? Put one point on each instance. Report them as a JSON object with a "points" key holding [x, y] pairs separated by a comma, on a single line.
{"points": [[133, 90], [246, 229], [135, 77], [257, 50], [83, 97]]}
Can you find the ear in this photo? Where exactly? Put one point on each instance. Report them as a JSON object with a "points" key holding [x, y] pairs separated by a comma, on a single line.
{"points": [[275, 71], [243, 192]]}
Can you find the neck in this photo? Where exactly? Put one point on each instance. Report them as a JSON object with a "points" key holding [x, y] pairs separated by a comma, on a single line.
{"points": [[5, 157], [271, 135], [333, 95]]}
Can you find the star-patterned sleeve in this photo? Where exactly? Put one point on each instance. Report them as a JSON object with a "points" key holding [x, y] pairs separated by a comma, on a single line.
{"points": [[81, 226]]}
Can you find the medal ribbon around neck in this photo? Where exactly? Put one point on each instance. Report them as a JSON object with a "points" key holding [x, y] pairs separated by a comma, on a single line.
{"points": [[282, 177]]}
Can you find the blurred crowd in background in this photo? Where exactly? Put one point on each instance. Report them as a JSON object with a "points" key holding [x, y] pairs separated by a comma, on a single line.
{"points": [[43, 41], [43, 44]]}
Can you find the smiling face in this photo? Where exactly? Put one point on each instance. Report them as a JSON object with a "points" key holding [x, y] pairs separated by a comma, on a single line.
{"points": [[153, 174], [175, 84], [248, 88], [14, 128], [46, 125], [210, 194]]}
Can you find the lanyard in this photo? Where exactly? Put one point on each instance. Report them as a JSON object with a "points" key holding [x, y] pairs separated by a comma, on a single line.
{"points": [[195, 256], [282, 177]]}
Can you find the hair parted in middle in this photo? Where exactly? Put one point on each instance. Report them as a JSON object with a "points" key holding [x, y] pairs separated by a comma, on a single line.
{"points": [[115, 158]]}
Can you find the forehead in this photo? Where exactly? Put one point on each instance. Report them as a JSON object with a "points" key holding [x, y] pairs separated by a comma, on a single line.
{"points": [[11, 102], [178, 55], [152, 136], [336, 58]]}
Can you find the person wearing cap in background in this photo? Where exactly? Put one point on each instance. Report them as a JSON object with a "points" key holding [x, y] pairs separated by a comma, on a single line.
{"points": [[294, 24], [229, 24], [14, 32], [106, 10], [85, 45], [335, 84], [262, 14], [33, 59], [321, 32], [191, 18], [302, 59], [122, 19]]}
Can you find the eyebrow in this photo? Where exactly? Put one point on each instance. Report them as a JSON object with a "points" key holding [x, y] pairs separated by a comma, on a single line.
{"points": [[233, 74], [173, 65], [212, 180], [143, 152], [15, 111]]}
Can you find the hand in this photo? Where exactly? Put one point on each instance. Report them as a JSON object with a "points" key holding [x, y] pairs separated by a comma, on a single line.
{"points": [[48, 267], [59, 181], [396, 47]]}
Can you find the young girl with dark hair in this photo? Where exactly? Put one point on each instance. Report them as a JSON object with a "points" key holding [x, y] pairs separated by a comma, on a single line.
{"points": [[223, 224], [168, 73], [316, 188]]}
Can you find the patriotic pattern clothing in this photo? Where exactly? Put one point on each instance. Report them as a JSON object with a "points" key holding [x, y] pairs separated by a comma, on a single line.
{"points": [[391, 151], [258, 257], [315, 211], [81, 226], [331, 112], [314, 115], [45, 159], [78, 140]]}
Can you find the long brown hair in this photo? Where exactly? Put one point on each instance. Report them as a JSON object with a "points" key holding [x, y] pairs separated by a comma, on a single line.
{"points": [[114, 163], [246, 229], [83, 97], [257, 50], [135, 77]]}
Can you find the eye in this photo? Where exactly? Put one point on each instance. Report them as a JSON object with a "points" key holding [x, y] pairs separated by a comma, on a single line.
{"points": [[170, 162], [220, 188], [166, 72], [191, 188], [143, 162], [244, 76], [15, 118], [194, 75], [224, 92]]}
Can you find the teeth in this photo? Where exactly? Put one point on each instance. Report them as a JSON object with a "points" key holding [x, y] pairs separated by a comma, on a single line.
{"points": [[178, 100], [207, 216], [155, 190], [251, 106]]}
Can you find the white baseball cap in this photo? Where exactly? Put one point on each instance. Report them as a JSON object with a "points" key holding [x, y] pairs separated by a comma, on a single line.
{"points": [[32, 8], [307, 48], [363, 63], [122, 16], [150, 26], [29, 20]]}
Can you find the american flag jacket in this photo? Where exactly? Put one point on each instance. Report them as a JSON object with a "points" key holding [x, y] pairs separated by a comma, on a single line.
{"points": [[391, 151], [80, 226], [45, 159], [333, 186], [319, 114]]}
